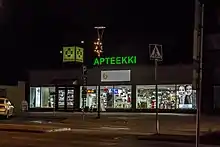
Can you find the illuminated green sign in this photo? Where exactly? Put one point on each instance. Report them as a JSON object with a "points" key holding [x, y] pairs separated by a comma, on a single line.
{"points": [[115, 60]]}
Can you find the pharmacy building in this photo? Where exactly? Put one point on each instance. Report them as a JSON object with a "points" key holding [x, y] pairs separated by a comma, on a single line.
{"points": [[125, 86]]}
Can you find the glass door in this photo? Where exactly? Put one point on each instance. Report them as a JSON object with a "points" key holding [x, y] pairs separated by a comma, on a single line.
{"points": [[70, 98], [61, 98]]}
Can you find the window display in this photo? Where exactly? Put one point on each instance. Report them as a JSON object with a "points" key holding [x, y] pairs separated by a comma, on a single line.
{"points": [[61, 98], [91, 100], [47, 97], [115, 96], [186, 97], [106, 97], [70, 98], [145, 97], [42, 97], [34, 97], [166, 96], [122, 96]]}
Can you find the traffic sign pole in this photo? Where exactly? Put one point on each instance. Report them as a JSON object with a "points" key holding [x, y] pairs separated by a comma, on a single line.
{"points": [[156, 54], [156, 95]]}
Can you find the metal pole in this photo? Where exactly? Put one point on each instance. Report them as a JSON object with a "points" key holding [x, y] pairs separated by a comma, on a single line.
{"points": [[156, 95], [54, 105], [200, 77], [99, 52], [84, 89], [99, 98], [83, 106], [99, 103]]}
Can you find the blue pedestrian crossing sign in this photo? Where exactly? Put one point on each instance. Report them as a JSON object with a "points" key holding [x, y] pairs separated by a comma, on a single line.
{"points": [[155, 52]]}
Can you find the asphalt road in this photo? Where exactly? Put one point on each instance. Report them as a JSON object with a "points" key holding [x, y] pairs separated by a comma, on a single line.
{"points": [[69, 139], [83, 135]]}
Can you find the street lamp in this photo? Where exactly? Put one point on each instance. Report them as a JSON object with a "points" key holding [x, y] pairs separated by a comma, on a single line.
{"points": [[99, 50]]}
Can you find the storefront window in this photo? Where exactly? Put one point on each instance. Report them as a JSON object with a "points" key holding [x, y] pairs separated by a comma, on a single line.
{"points": [[47, 97], [106, 97], [145, 97], [186, 97], [34, 97], [91, 99], [42, 97], [122, 96], [166, 96]]}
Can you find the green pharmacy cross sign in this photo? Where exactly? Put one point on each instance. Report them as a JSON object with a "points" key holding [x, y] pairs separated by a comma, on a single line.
{"points": [[115, 60], [73, 54]]}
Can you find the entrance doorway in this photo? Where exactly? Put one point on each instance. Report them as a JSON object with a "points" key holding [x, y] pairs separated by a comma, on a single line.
{"points": [[65, 98]]}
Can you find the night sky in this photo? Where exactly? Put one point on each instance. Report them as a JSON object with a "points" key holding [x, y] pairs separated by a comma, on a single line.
{"points": [[33, 32]]}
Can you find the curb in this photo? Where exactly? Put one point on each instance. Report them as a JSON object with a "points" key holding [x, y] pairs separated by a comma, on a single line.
{"points": [[169, 138], [22, 130], [179, 139]]}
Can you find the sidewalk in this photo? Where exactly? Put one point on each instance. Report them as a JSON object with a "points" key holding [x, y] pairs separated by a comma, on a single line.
{"points": [[139, 122], [171, 125], [64, 114]]}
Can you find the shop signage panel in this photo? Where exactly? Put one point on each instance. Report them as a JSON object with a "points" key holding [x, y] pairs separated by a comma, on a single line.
{"points": [[69, 54], [116, 76], [117, 60], [73, 54]]}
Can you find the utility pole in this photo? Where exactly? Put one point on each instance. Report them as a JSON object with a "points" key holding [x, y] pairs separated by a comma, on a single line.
{"points": [[99, 50], [198, 61]]}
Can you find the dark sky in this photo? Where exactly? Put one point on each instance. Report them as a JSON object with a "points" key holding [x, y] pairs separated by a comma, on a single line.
{"points": [[34, 32]]}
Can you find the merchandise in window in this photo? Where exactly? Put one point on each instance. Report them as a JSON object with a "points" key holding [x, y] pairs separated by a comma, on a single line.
{"points": [[47, 97], [145, 97], [61, 97], [35, 97], [106, 97], [186, 97], [70, 98], [115, 97], [91, 100], [167, 96], [42, 97], [122, 96]]}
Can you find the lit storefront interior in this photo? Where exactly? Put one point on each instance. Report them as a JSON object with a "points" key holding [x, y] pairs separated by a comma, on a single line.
{"points": [[65, 98], [169, 97], [118, 97], [179, 96], [91, 100], [42, 97], [47, 97]]}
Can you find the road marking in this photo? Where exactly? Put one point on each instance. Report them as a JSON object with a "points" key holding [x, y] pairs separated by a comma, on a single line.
{"points": [[59, 130], [114, 128]]}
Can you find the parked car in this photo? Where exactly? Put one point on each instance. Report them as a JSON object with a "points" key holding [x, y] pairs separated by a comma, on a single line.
{"points": [[6, 108]]}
